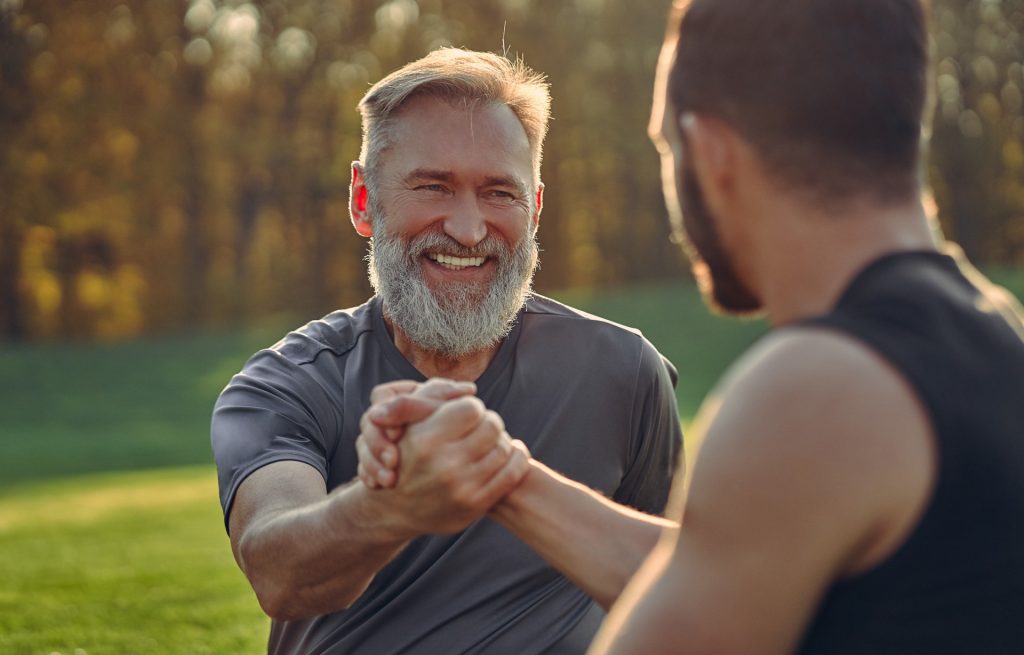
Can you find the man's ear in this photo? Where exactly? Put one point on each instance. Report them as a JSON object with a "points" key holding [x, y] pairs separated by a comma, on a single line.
{"points": [[539, 206], [359, 202], [712, 156]]}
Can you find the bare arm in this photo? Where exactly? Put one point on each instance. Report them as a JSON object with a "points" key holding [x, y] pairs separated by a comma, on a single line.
{"points": [[595, 542], [815, 467], [306, 552]]}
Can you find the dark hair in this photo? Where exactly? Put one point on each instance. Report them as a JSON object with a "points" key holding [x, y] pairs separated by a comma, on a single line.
{"points": [[830, 93]]}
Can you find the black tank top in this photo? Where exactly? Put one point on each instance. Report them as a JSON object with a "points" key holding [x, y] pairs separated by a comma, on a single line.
{"points": [[956, 585]]}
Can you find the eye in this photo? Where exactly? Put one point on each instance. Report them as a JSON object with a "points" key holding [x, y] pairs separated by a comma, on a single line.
{"points": [[501, 194], [432, 188]]}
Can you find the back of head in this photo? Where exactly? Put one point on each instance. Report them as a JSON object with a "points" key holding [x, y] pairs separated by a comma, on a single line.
{"points": [[457, 75], [831, 93]]}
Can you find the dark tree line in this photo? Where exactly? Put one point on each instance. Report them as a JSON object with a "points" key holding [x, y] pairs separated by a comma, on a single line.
{"points": [[178, 163]]}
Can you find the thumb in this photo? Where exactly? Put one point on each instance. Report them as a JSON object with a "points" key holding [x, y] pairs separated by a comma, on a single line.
{"points": [[402, 410]]}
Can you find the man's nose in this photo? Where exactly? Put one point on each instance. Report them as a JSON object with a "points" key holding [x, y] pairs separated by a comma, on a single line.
{"points": [[466, 223]]}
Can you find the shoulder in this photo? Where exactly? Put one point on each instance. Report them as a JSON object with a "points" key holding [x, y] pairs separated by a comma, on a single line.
{"points": [[811, 376], [294, 367], [541, 307], [562, 326], [338, 332], [827, 428]]}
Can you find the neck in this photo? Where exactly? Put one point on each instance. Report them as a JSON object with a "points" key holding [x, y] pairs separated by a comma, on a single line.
{"points": [[464, 368], [804, 259]]}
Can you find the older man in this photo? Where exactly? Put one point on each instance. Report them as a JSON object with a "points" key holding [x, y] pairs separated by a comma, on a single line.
{"points": [[448, 186]]}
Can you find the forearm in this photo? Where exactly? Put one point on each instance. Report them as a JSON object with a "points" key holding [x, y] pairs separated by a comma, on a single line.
{"points": [[596, 543], [319, 558], [642, 620]]}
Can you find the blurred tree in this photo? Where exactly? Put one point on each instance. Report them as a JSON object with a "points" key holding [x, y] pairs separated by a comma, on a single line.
{"points": [[166, 165], [977, 163], [15, 110]]}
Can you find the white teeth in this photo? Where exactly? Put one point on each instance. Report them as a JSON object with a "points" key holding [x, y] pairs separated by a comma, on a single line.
{"points": [[453, 262]]}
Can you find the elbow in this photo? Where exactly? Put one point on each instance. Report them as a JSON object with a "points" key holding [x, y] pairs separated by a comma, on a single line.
{"points": [[284, 593], [278, 591], [282, 601]]}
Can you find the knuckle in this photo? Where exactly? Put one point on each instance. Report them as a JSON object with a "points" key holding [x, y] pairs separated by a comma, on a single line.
{"points": [[494, 420], [381, 391], [470, 409]]}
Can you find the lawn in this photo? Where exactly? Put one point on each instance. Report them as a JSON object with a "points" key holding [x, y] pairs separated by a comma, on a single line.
{"points": [[122, 563], [98, 555]]}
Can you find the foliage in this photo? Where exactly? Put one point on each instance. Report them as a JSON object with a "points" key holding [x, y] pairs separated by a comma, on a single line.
{"points": [[182, 164]]}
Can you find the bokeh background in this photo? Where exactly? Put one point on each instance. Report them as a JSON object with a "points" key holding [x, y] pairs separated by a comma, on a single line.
{"points": [[173, 195], [171, 164]]}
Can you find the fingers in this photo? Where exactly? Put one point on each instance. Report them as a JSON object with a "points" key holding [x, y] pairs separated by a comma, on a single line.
{"points": [[405, 401], [378, 459], [402, 410], [452, 421], [436, 388], [445, 389], [487, 436], [507, 477], [385, 392]]}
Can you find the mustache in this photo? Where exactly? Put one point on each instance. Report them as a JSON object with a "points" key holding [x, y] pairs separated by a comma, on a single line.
{"points": [[490, 246]]}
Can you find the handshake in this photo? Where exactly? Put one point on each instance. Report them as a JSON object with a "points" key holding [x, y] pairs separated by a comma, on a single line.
{"points": [[438, 457]]}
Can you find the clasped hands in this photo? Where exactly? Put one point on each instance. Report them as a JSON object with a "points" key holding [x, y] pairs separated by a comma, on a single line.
{"points": [[440, 459]]}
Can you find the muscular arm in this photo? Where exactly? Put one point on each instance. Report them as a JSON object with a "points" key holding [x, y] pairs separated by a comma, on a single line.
{"points": [[595, 542], [816, 465], [307, 552]]}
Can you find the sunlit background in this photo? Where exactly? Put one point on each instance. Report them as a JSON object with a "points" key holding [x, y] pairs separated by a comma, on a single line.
{"points": [[173, 195], [170, 165]]}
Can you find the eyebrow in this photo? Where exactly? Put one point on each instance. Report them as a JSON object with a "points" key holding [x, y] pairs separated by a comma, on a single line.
{"points": [[429, 174], [441, 175], [505, 181]]}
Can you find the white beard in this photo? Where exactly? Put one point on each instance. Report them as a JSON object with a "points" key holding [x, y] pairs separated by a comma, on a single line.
{"points": [[461, 318]]}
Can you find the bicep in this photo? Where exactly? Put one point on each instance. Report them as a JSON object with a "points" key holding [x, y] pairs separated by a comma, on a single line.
{"points": [[270, 490], [779, 505]]}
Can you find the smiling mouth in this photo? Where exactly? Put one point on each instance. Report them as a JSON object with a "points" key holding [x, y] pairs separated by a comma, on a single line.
{"points": [[453, 263]]}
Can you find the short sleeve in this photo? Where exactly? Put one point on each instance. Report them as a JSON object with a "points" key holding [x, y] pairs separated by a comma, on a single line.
{"points": [[272, 411], [656, 438]]}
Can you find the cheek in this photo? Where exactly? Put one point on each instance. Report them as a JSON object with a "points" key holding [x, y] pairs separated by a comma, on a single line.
{"points": [[512, 224], [406, 215]]}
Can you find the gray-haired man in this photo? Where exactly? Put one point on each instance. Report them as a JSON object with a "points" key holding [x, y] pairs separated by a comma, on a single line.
{"points": [[449, 188]]}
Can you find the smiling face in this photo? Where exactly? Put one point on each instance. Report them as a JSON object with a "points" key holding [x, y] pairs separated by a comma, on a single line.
{"points": [[453, 217]]}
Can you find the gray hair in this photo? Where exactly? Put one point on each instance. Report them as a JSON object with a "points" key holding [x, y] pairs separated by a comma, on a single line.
{"points": [[454, 74]]}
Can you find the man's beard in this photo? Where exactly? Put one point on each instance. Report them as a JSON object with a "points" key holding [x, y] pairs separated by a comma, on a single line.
{"points": [[716, 276], [456, 318]]}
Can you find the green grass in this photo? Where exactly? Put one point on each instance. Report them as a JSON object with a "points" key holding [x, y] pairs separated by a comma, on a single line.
{"points": [[137, 562], [79, 408], [122, 563]]}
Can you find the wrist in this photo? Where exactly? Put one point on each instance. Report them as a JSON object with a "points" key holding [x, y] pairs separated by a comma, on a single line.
{"points": [[524, 494], [376, 515]]}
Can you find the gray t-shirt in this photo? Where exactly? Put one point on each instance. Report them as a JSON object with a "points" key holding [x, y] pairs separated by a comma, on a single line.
{"points": [[591, 399]]}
